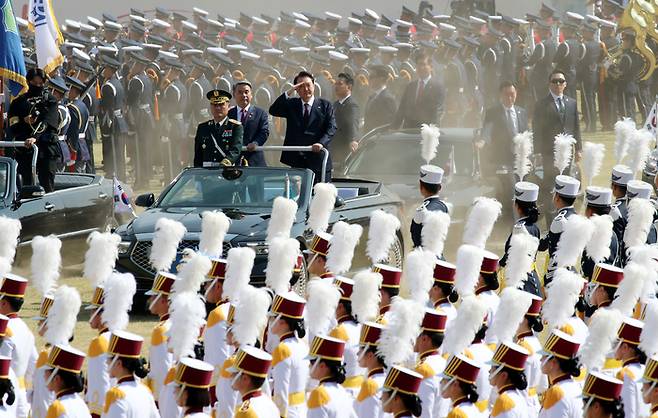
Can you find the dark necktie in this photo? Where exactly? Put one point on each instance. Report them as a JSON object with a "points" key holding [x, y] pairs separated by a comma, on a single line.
{"points": [[307, 113], [243, 116], [560, 104], [421, 88]]}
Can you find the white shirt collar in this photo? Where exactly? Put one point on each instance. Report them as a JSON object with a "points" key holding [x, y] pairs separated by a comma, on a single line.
{"points": [[341, 101], [556, 97], [222, 121], [310, 102], [246, 109]]}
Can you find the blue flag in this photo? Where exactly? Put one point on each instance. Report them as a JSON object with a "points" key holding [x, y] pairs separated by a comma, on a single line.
{"points": [[12, 65]]}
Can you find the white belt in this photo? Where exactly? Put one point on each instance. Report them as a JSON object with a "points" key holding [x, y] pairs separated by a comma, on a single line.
{"points": [[82, 136], [61, 137], [145, 106], [118, 113], [178, 116], [92, 119], [210, 164]]}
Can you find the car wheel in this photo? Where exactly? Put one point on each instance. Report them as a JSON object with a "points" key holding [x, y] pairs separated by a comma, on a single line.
{"points": [[300, 280], [396, 253]]}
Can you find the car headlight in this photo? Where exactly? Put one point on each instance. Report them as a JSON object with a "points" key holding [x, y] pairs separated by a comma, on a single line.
{"points": [[259, 247], [123, 247]]}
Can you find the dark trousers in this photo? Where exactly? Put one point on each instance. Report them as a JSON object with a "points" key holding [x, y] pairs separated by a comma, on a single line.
{"points": [[114, 153], [24, 161], [46, 170]]}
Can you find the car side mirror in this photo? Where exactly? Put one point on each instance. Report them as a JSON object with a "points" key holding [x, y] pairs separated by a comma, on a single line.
{"points": [[31, 191], [145, 200], [340, 202]]}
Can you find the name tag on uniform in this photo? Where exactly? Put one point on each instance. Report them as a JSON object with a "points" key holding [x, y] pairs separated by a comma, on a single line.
{"points": [[228, 133]]}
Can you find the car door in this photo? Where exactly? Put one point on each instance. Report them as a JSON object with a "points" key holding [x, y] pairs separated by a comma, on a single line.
{"points": [[87, 203]]}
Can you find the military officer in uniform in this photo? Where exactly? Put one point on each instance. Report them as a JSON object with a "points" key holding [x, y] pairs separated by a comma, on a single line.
{"points": [[599, 202], [429, 185], [218, 141], [113, 125], [619, 179], [77, 131]]}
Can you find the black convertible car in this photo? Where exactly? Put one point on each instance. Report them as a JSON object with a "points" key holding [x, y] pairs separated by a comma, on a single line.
{"points": [[80, 204], [245, 194]]}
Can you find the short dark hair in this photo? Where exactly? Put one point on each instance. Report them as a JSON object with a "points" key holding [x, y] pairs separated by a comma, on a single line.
{"points": [[505, 84], [557, 71], [15, 303], [430, 187], [346, 78], [421, 56], [35, 72], [197, 397], [303, 74], [569, 201]]}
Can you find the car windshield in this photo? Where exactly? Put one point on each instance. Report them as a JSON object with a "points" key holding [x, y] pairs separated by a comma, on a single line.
{"points": [[239, 188]]}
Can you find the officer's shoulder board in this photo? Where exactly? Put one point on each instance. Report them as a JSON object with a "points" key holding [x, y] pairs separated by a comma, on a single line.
{"points": [[557, 226], [235, 122]]}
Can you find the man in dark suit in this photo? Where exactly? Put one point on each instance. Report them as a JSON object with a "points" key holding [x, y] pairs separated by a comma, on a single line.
{"points": [[254, 123], [554, 114], [422, 100], [310, 121], [381, 106], [347, 120]]}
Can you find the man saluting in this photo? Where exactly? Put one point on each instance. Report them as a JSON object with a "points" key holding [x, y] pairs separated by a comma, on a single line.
{"points": [[219, 140]]}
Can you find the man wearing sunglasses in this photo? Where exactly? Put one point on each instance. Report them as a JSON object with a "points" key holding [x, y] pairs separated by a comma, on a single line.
{"points": [[554, 114]]}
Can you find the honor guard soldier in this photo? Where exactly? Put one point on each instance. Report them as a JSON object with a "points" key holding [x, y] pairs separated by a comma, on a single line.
{"points": [[633, 359], [218, 142], [620, 177], [603, 394], [390, 288], [599, 201], [98, 378], [458, 385], [63, 373], [173, 105], [252, 366], [78, 128], [193, 378], [113, 125], [431, 363], [650, 385], [564, 195], [443, 294], [8, 381], [509, 380], [399, 397], [429, 185], [197, 90], [368, 402], [638, 189]]}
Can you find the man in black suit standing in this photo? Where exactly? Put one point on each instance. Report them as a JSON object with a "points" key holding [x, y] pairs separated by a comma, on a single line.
{"points": [[254, 122], [347, 120], [422, 100], [310, 121], [381, 106], [501, 123], [554, 114]]}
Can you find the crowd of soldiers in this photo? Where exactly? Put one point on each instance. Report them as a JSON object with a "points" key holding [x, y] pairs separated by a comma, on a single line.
{"points": [[141, 81]]}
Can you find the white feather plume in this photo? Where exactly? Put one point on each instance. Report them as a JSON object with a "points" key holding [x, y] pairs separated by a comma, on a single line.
{"points": [[577, 232], [462, 329], [250, 315], [419, 275], [168, 234], [396, 342], [214, 226], [45, 263], [101, 256], [381, 235], [603, 327], [598, 246], [10, 230], [62, 316], [469, 261], [649, 336], [192, 273], [283, 216], [644, 254], [281, 261], [514, 303], [365, 295], [430, 141], [187, 314], [322, 204], [239, 263], [640, 219], [118, 300], [342, 246], [321, 304], [522, 152], [593, 154], [624, 129], [481, 220], [630, 289], [563, 151], [562, 294], [639, 149], [435, 231], [521, 255]]}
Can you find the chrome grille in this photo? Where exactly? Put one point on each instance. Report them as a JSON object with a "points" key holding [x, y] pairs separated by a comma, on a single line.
{"points": [[142, 250]]}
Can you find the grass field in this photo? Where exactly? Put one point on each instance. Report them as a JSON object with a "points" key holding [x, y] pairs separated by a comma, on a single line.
{"points": [[143, 324]]}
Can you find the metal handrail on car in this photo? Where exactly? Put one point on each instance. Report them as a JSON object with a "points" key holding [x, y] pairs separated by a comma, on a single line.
{"points": [[308, 148], [18, 144]]}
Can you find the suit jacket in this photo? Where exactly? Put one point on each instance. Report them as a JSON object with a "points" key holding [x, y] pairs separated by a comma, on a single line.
{"points": [[321, 128], [498, 134], [256, 130], [428, 108], [380, 110], [347, 128], [547, 123]]}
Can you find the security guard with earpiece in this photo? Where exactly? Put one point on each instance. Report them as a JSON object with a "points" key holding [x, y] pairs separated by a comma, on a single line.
{"points": [[219, 140]]}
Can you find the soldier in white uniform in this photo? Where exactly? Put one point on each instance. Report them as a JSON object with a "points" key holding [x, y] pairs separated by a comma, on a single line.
{"points": [[20, 342], [399, 396], [368, 402], [8, 382], [193, 378], [526, 338], [329, 399], [98, 377], [129, 398], [64, 379], [507, 376], [650, 385], [602, 396], [442, 293], [251, 368], [41, 397], [487, 287], [633, 360], [458, 385], [227, 397], [431, 363], [289, 358], [563, 396], [390, 288], [160, 358]]}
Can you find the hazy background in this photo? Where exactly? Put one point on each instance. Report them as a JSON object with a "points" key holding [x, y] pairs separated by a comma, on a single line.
{"points": [[78, 9]]}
